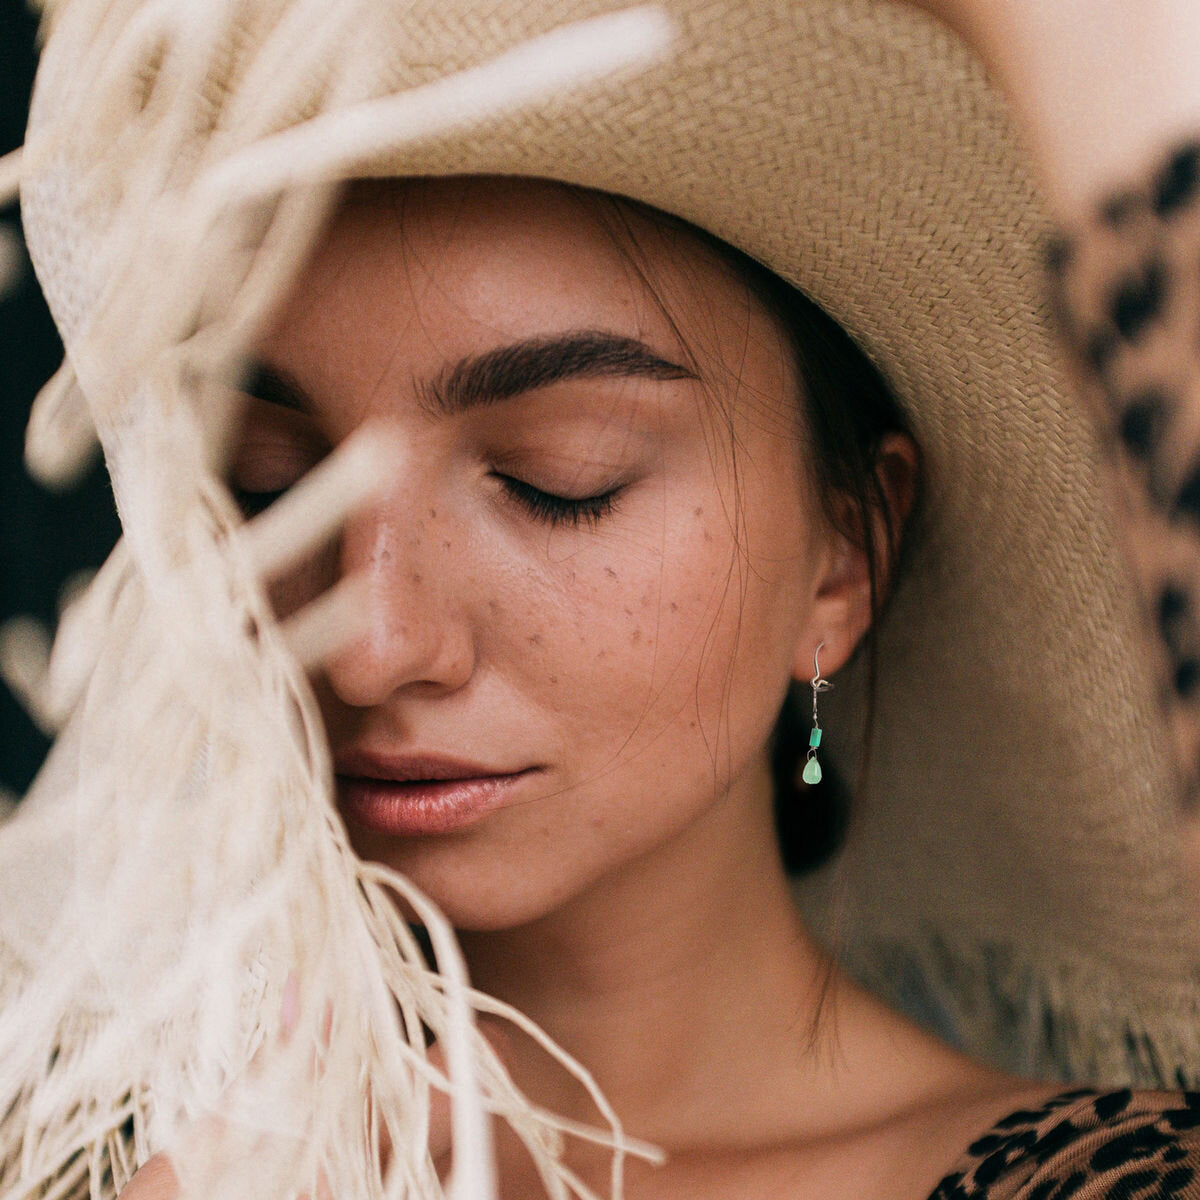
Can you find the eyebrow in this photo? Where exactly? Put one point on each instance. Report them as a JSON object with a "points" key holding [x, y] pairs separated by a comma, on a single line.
{"points": [[502, 373], [538, 362]]}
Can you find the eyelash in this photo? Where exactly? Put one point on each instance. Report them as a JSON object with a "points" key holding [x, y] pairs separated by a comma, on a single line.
{"points": [[556, 510], [542, 506]]}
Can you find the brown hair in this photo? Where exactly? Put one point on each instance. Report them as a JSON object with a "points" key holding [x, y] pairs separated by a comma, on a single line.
{"points": [[846, 409], [849, 409]]}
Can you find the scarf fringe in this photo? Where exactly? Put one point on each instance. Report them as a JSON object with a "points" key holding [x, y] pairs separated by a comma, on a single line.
{"points": [[192, 957]]}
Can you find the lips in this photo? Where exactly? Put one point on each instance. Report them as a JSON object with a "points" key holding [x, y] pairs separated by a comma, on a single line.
{"points": [[421, 794]]}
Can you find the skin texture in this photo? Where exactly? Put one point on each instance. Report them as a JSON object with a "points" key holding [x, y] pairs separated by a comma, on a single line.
{"points": [[628, 895]]}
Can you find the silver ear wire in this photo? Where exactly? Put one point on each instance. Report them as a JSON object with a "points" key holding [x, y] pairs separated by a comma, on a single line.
{"points": [[812, 768]]}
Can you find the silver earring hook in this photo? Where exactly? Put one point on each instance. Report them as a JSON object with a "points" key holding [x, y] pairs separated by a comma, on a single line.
{"points": [[819, 685]]}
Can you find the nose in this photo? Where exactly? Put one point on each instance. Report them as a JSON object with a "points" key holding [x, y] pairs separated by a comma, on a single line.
{"points": [[418, 635]]}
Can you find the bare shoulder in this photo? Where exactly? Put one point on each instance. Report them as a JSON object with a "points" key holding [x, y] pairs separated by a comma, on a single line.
{"points": [[963, 1131], [914, 1153], [922, 1106]]}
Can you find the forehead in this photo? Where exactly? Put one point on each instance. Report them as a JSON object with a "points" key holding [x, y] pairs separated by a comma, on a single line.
{"points": [[525, 252], [421, 272], [536, 227]]}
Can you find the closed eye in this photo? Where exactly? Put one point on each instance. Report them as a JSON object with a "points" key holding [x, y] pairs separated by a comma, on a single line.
{"points": [[554, 509], [276, 447], [253, 503]]}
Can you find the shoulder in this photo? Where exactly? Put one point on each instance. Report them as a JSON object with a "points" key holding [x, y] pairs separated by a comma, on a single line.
{"points": [[1086, 1143]]}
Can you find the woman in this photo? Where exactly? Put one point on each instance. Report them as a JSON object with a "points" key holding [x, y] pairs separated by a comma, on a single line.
{"points": [[609, 539]]}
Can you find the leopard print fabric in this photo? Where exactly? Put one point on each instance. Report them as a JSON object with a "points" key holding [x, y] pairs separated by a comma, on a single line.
{"points": [[1125, 284], [1085, 1145]]}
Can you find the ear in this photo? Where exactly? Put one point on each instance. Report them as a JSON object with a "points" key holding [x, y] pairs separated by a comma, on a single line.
{"points": [[842, 611]]}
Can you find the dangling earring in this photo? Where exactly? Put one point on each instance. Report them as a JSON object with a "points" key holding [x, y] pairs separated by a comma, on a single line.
{"points": [[812, 768]]}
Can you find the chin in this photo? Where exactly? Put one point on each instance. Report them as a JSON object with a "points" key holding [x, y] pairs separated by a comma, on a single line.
{"points": [[475, 888]]}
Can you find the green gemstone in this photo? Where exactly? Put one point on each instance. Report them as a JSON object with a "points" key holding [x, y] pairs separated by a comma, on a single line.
{"points": [[814, 738], [812, 771]]}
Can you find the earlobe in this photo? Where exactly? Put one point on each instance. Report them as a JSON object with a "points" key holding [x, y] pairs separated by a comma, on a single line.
{"points": [[837, 638]]}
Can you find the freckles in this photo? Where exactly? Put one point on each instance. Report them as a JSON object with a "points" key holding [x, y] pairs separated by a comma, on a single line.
{"points": [[610, 572], [534, 639]]}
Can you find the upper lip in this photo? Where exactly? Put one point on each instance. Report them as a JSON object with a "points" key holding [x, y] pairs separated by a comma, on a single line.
{"points": [[405, 768]]}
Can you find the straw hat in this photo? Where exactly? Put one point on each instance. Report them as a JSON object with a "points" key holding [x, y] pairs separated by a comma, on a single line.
{"points": [[1013, 875]]}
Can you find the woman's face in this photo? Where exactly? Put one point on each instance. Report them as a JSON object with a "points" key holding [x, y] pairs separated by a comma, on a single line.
{"points": [[602, 562]]}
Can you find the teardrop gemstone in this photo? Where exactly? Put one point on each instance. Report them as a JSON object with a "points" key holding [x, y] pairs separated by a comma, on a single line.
{"points": [[812, 771]]}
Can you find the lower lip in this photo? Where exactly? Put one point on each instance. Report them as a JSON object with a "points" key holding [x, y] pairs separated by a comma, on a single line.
{"points": [[423, 806]]}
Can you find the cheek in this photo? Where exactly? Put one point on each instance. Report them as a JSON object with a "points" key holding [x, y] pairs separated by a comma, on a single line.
{"points": [[682, 643]]}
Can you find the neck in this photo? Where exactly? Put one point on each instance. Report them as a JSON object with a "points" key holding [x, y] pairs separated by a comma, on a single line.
{"points": [[683, 972]]}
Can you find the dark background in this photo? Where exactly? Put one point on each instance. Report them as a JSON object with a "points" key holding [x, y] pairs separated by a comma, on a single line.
{"points": [[44, 538]]}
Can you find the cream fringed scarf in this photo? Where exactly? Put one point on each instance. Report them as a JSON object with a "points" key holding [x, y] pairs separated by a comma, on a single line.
{"points": [[191, 956]]}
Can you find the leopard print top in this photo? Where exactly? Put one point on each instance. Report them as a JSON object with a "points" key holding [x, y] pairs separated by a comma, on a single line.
{"points": [[1085, 1145], [1125, 285]]}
